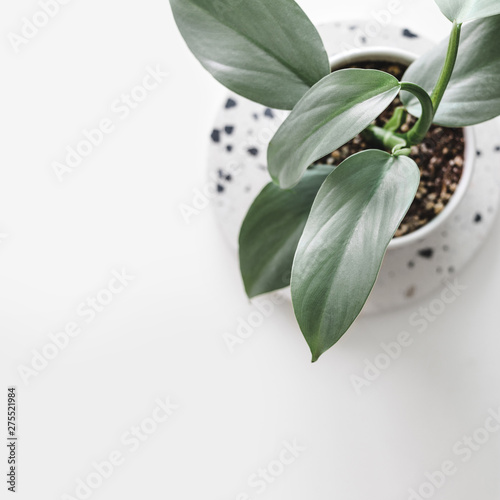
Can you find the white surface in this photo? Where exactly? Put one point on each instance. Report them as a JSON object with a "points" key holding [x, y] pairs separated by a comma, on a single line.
{"points": [[163, 336]]}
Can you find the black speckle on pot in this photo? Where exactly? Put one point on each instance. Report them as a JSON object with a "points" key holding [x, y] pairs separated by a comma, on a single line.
{"points": [[411, 264], [363, 39], [410, 292], [478, 218], [408, 34], [230, 103], [497, 149], [451, 269], [229, 129], [220, 188], [269, 113], [253, 151], [255, 116], [215, 135], [426, 253], [478, 153], [224, 176], [353, 27], [229, 148]]}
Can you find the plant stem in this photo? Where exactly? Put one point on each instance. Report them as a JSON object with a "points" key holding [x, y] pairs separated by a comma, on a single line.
{"points": [[417, 134], [397, 119], [430, 104], [390, 139], [382, 137], [449, 66], [401, 152]]}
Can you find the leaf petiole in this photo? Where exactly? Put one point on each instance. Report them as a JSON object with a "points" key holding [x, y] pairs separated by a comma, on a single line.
{"points": [[417, 134], [397, 119], [388, 138], [401, 151], [383, 138], [449, 66]]}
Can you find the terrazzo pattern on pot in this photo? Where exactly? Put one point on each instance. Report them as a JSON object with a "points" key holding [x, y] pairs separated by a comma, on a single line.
{"points": [[238, 172]]}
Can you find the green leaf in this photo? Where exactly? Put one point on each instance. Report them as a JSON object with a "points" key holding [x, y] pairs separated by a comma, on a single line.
{"points": [[265, 50], [271, 231], [473, 94], [353, 219], [468, 10], [334, 111]]}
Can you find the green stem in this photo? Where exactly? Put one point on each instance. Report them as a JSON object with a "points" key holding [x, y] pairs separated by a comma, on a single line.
{"points": [[390, 139], [449, 66], [401, 152], [397, 119], [417, 134], [385, 138]]}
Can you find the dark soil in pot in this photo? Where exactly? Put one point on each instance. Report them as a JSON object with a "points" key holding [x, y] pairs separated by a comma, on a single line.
{"points": [[440, 159]]}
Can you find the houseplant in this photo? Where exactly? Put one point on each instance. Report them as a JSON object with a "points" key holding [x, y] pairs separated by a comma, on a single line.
{"points": [[331, 225]]}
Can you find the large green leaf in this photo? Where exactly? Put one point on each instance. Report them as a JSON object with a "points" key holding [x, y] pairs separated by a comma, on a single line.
{"points": [[473, 94], [334, 111], [265, 50], [468, 10], [271, 231], [353, 219]]}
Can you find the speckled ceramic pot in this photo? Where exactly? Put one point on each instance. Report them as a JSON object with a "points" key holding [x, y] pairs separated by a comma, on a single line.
{"points": [[415, 264]]}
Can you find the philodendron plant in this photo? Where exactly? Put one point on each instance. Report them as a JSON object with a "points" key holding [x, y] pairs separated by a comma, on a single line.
{"points": [[324, 230]]}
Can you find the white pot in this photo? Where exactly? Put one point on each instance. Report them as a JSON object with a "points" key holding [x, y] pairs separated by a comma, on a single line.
{"points": [[404, 57]]}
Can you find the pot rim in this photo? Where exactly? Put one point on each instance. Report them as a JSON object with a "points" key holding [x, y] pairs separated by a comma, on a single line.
{"points": [[405, 57]]}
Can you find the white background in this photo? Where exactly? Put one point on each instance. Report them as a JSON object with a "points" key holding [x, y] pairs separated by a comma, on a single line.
{"points": [[163, 336]]}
